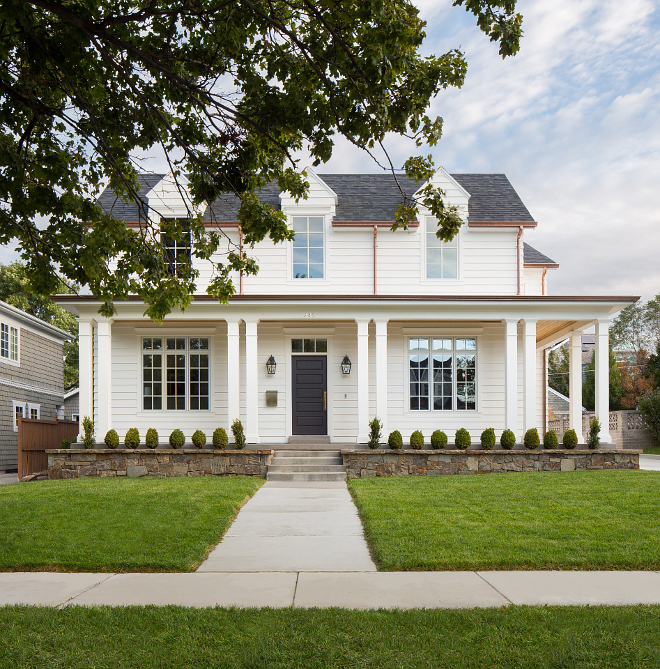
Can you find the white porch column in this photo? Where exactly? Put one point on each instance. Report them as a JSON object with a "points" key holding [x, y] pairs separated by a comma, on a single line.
{"points": [[85, 372], [602, 366], [104, 381], [251, 383], [363, 380], [381, 373], [511, 375], [575, 385], [529, 379], [233, 376]]}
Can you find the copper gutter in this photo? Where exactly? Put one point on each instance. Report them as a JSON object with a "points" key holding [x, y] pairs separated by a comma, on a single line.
{"points": [[502, 224], [369, 224], [375, 260], [518, 263]]}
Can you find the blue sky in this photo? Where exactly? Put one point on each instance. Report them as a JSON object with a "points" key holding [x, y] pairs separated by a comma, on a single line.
{"points": [[572, 120]]}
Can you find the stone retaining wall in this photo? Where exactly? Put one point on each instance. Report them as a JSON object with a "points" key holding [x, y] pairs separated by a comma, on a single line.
{"points": [[366, 463], [73, 464]]}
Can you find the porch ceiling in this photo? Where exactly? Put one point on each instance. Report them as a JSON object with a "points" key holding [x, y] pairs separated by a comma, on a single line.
{"points": [[545, 329]]}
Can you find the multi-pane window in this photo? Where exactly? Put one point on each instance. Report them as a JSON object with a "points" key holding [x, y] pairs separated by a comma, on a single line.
{"points": [[8, 342], [152, 373], [175, 373], [442, 373], [309, 346], [34, 413], [308, 247], [176, 251], [19, 410], [441, 257]]}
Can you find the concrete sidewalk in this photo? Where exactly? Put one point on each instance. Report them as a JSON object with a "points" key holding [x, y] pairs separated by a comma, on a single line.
{"points": [[366, 590], [294, 527], [650, 462]]}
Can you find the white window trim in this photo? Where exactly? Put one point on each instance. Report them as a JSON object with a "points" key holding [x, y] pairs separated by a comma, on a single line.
{"points": [[75, 416], [459, 256], [32, 405], [9, 361], [293, 281], [15, 404], [429, 334], [164, 335]]}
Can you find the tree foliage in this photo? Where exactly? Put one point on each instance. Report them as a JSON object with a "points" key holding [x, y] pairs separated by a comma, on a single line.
{"points": [[637, 326], [558, 369], [229, 91], [589, 384], [635, 379], [15, 289]]}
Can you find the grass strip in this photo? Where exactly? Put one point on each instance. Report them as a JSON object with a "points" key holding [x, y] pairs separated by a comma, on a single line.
{"points": [[652, 450], [563, 520], [117, 524], [515, 637]]}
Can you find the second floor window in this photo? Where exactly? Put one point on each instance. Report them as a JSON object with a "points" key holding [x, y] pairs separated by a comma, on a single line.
{"points": [[8, 342], [176, 251], [308, 247], [441, 257]]}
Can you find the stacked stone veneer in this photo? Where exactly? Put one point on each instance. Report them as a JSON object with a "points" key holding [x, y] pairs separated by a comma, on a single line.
{"points": [[73, 464], [363, 464]]}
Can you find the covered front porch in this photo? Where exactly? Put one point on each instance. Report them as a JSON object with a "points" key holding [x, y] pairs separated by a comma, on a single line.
{"points": [[288, 367]]}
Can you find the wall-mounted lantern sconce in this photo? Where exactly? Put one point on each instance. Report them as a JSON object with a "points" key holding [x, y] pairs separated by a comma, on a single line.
{"points": [[346, 365], [271, 365]]}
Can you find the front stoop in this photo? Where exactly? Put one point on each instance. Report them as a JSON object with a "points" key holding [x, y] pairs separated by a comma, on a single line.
{"points": [[306, 465]]}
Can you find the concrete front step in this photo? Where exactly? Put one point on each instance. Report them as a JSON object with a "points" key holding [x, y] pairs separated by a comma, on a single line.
{"points": [[308, 454], [306, 476], [307, 468], [307, 461]]}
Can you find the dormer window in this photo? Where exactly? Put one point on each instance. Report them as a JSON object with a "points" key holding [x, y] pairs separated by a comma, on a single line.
{"points": [[308, 247], [176, 252], [441, 257]]}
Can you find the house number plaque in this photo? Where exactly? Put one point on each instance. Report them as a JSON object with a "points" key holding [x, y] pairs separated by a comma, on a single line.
{"points": [[309, 314]]}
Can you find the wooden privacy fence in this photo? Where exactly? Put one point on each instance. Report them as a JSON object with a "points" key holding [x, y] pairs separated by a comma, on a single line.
{"points": [[35, 436]]}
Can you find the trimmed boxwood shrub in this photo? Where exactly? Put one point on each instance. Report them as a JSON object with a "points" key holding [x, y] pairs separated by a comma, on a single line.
{"points": [[438, 439], [65, 443], [177, 440], [570, 439], [395, 440], [239, 435], [550, 440], [111, 439], [532, 439], [488, 439], [198, 439], [220, 439], [462, 439], [151, 438], [132, 438], [417, 440], [508, 439]]}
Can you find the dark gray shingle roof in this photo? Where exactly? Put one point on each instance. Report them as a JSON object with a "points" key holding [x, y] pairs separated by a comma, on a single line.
{"points": [[364, 197], [128, 211], [534, 257]]}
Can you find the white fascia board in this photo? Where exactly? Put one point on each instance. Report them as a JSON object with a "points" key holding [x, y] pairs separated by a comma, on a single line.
{"points": [[321, 203], [165, 199], [441, 178], [20, 319], [71, 393], [455, 194]]}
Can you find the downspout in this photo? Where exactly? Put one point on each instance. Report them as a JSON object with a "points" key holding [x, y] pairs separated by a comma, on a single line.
{"points": [[240, 253], [545, 390], [545, 271], [519, 265], [375, 260]]}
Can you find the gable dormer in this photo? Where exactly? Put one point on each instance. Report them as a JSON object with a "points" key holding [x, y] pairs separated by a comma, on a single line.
{"points": [[170, 198], [321, 199]]}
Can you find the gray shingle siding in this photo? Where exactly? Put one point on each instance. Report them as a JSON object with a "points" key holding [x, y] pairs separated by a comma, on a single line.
{"points": [[361, 197], [41, 363]]}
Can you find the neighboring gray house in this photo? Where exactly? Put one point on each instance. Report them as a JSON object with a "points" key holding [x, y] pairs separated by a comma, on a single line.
{"points": [[31, 375], [71, 405]]}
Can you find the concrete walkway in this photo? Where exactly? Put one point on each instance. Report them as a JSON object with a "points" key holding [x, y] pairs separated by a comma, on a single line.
{"points": [[651, 462], [294, 527], [366, 590]]}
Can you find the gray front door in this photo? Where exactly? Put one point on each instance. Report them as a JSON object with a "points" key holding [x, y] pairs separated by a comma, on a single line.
{"points": [[310, 392]]}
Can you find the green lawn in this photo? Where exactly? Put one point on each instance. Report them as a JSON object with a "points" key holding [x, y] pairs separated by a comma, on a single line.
{"points": [[117, 524], [563, 520], [652, 450], [516, 637]]}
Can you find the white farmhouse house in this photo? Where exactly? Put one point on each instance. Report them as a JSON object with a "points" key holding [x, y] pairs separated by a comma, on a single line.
{"points": [[347, 322]]}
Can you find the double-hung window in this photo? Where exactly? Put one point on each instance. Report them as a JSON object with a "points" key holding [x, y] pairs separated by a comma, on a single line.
{"points": [[175, 373], [441, 257], [442, 373], [176, 252], [8, 342], [308, 247]]}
